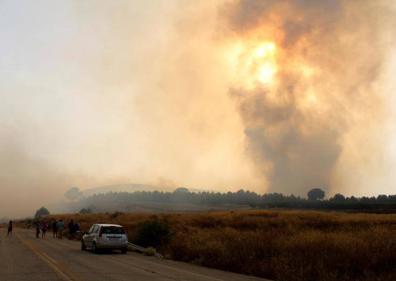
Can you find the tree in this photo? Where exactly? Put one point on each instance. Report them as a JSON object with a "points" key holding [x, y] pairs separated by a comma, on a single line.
{"points": [[182, 190], [41, 212], [338, 198], [73, 193], [181, 194], [316, 194]]}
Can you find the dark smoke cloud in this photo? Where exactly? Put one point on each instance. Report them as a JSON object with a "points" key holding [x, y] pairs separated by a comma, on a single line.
{"points": [[295, 144], [297, 159]]}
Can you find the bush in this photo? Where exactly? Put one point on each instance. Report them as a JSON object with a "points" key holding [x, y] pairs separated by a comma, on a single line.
{"points": [[153, 233], [150, 251], [116, 214], [85, 211]]}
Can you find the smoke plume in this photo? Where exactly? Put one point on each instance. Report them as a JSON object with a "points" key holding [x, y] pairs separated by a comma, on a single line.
{"points": [[321, 91]]}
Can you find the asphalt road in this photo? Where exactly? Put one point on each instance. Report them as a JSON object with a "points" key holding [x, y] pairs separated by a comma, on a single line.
{"points": [[26, 258]]}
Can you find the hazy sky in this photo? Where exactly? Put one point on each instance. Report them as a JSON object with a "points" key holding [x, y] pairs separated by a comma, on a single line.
{"points": [[206, 94]]}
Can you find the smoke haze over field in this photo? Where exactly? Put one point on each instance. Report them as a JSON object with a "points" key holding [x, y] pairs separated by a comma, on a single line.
{"points": [[276, 96]]}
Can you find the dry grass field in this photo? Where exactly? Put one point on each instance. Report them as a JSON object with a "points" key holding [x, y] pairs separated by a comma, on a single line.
{"points": [[279, 245]]}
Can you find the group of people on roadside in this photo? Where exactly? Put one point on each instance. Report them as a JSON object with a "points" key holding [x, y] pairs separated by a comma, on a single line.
{"points": [[41, 228], [58, 227]]}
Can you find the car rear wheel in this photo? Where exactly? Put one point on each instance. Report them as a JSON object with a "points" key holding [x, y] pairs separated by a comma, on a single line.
{"points": [[124, 250], [83, 247], [94, 249]]}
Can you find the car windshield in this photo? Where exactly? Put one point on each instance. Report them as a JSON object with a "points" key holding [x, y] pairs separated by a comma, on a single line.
{"points": [[112, 230]]}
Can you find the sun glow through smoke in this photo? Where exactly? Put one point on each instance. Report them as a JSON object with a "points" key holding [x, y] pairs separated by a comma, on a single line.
{"points": [[261, 63], [266, 73], [264, 63], [254, 64]]}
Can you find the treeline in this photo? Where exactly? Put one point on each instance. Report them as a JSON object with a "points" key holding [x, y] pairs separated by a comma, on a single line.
{"points": [[240, 198]]}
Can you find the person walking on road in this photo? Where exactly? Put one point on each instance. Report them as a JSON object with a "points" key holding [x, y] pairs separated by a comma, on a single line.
{"points": [[44, 227], [55, 229], [60, 226], [9, 228]]}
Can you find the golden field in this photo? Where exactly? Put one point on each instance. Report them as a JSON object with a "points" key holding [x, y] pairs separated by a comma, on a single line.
{"points": [[279, 245]]}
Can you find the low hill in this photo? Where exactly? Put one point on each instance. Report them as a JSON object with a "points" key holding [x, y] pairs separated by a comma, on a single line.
{"points": [[119, 188]]}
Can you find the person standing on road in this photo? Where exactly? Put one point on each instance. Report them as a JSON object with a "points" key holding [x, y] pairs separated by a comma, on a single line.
{"points": [[55, 229], [9, 228], [60, 226], [37, 229], [71, 229], [44, 227], [76, 227]]}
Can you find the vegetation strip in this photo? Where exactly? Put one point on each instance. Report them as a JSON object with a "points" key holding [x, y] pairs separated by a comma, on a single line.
{"points": [[276, 244]]}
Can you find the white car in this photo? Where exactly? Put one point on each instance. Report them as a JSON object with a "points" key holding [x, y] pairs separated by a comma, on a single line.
{"points": [[105, 236]]}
